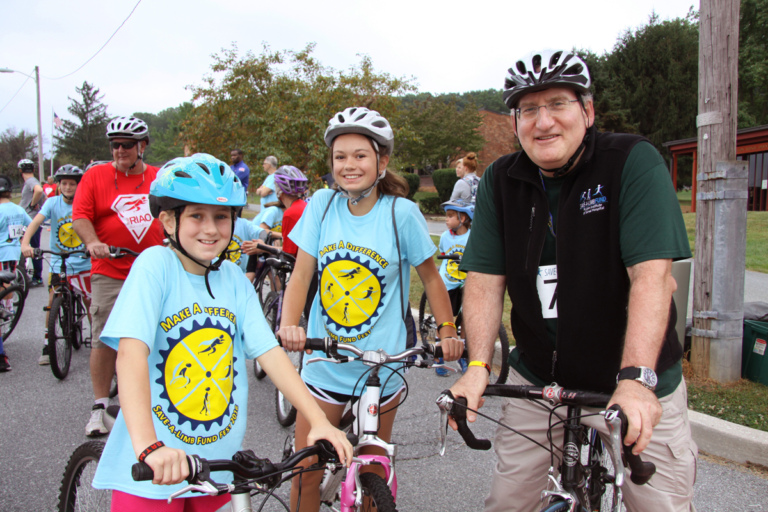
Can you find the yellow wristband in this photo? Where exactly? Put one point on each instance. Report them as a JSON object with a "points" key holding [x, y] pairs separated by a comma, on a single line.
{"points": [[449, 324], [480, 363]]}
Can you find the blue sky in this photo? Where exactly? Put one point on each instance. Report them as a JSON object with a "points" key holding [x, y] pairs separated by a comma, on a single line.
{"points": [[166, 45]]}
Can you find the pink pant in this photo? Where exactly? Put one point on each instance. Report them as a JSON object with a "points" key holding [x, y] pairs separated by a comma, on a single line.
{"points": [[521, 469], [124, 502]]}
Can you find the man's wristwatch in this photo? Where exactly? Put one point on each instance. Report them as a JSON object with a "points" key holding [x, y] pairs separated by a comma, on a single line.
{"points": [[642, 374]]}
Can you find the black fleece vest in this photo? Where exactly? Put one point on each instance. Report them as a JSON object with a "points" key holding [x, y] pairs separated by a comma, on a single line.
{"points": [[593, 284]]}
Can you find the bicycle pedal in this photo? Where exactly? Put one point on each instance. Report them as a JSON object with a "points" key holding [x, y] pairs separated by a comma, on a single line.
{"points": [[46, 308]]}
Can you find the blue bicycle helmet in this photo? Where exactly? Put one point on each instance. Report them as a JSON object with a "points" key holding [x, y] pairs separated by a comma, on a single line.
{"points": [[198, 179], [460, 206]]}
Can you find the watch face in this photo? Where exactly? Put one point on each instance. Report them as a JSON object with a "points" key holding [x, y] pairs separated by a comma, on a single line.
{"points": [[649, 377]]}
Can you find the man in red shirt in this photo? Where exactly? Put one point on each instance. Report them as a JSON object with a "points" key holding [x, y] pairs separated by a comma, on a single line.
{"points": [[111, 208]]}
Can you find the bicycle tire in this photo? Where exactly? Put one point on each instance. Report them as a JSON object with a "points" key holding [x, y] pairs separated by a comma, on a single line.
{"points": [[379, 496], [270, 314], [60, 337], [601, 490], [22, 279], [427, 324], [76, 492], [78, 315], [11, 307], [501, 376], [265, 284], [556, 507]]}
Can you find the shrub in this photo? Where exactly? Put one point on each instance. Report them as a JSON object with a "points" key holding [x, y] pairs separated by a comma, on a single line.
{"points": [[413, 183], [444, 180], [430, 203]]}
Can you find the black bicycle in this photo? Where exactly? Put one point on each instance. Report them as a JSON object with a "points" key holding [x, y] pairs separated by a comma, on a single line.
{"points": [[591, 473], [428, 326]]}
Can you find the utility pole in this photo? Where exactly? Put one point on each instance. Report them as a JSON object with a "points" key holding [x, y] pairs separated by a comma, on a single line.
{"points": [[40, 159], [721, 214]]}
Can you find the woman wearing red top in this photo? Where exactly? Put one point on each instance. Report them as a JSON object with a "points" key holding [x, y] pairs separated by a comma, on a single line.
{"points": [[291, 187]]}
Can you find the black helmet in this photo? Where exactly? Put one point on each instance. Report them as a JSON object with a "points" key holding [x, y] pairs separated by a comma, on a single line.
{"points": [[5, 184], [68, 171], [542, 70], [26, 165]]}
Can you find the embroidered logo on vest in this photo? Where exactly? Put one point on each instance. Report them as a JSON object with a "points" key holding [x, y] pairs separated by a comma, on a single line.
{"points": [[592, 201]]}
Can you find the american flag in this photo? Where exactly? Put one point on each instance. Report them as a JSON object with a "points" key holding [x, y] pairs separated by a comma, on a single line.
{"points": [[57, 121]]}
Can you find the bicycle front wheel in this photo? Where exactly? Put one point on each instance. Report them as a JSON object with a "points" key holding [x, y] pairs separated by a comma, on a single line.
{"points": [[78, 315], [22, 279], [559, 506], [376, 494], [427, 323], [11, 306], [76, 492], [60, 336]]}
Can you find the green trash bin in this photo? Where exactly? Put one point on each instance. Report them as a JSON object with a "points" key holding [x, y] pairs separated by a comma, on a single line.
{"points": [[754, 359]]}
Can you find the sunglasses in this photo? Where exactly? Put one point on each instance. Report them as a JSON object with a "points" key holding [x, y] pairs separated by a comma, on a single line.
{"points": [[125, 145]]}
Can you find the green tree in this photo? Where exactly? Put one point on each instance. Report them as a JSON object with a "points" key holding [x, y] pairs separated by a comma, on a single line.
{"points": [[650, 79], [79, 142], [753, 63], [438, 132], [279, 102], [165, 131], [13, 147]]}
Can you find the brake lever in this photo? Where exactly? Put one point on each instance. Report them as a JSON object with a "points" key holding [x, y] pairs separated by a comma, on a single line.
{"points": [[204, 487], [613, 422], [445, 404], [343, 359]]}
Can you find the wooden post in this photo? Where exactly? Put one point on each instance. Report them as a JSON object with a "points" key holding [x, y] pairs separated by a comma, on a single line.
{"points": [[718, 303]]}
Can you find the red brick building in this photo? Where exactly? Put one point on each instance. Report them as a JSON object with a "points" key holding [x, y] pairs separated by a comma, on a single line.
{"points": [[500, 140]]}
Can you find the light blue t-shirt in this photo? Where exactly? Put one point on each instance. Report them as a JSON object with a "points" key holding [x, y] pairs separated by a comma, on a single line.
{"points": [[63, 236], [13, 221], [272, 197], [272, 217], [244, 230], [197, 373], [358, 300], [449, 269]]}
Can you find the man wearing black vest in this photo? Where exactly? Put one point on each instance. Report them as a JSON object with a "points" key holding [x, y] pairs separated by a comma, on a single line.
{"points": [[581, 228]]}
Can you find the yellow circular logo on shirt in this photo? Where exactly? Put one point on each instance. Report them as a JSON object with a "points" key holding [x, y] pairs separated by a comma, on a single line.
{"points": [[350, 292]]}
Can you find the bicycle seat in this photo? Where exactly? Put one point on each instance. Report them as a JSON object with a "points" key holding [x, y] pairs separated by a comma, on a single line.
{"points": [[6, 276]]}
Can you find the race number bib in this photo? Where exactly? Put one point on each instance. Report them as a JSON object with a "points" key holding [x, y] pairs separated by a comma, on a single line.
{"points": [[16, 231], [546, 285]]}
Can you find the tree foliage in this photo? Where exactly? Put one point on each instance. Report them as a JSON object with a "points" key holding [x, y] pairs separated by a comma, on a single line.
{"points": [[13, 147], [753, 63], [165, 129], [437, 131], [79, 142], [279, 102]]}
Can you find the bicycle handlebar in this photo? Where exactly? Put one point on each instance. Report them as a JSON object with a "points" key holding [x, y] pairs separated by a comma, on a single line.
{"points": [[246, 465], [114, 252], [369, 357], [454, 256], [456, 407]]}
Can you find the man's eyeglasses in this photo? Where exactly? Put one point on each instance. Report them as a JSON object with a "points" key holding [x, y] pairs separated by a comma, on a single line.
{"points": [[554, 108], [125, 145]]}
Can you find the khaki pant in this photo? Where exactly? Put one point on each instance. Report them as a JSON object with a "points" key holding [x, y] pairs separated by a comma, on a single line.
{"points": [[521, 471], [104, 291]]}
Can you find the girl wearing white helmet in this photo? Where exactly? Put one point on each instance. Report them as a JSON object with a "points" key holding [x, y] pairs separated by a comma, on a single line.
{"points": [[361, 238]]}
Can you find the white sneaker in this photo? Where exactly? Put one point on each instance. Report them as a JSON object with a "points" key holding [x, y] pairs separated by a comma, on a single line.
{"points": [[95, 426]]}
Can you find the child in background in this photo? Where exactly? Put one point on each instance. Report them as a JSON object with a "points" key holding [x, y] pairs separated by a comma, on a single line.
{"points": [[183, 325], [291, 186], [458, 220], [13, 221], [58, 209]]}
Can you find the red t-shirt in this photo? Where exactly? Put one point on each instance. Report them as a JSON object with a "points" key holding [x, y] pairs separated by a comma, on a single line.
{"points": [[49, 189], [291, 216], [118, 207]]}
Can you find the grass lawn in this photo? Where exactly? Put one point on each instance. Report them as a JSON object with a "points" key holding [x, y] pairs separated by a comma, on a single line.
{"points": [[757, 239]]}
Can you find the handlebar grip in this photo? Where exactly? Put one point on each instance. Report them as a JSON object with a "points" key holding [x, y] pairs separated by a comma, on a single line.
{"points": [[270, 249], [315, 344], [439, 352], [142, 472], [460, 416], [640, 471]]}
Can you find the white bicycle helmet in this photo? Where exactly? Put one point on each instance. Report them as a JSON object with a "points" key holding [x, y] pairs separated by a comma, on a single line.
{"points": [[365, 122], [128, 128], [542, 70], [26, 165]]}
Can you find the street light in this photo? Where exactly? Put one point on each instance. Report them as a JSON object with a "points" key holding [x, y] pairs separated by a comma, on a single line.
{"points": [[40, 162]]}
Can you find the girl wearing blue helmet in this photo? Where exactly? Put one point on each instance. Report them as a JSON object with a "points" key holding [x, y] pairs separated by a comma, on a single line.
{"points": [[181, 353]]}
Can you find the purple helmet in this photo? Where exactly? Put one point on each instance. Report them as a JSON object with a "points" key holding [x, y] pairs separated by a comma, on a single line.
{"points": [[289, 180]]}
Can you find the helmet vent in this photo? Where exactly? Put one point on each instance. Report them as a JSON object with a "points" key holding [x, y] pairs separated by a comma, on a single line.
{"points": [[520, 67], [536, 61], [554, 59], [341, 118], [221, 170], [361, 116], [576, 69], [181, 174], [203, 167], [379, 124]]}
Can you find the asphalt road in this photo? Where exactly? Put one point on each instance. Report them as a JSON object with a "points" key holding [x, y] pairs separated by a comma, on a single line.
{"points": [[42, 421]]}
